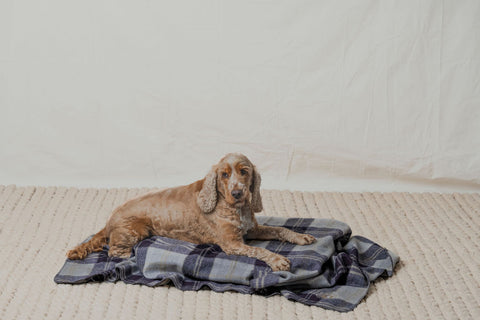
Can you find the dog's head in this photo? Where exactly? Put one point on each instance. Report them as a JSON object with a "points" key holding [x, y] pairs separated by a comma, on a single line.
{"points": [[236, 180]]}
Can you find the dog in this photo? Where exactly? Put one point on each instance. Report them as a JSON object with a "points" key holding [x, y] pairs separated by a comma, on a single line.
{"points": [[219, 209]]}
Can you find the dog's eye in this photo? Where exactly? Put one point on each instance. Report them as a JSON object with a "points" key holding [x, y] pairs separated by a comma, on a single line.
{"points": [[224, 175], [243, 172]]}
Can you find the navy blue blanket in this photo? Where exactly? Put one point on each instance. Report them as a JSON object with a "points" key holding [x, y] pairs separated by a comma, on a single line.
{"points": [[334, 272]]}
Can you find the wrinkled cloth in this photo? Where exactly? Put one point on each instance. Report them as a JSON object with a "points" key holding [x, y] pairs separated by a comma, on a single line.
{"points": [[334, 272]]}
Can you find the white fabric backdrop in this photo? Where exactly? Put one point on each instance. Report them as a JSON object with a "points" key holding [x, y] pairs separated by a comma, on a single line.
{"points": [[321, 95]]}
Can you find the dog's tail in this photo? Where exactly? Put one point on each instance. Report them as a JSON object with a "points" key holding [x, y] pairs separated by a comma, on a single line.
{"points": [[95, 244]]}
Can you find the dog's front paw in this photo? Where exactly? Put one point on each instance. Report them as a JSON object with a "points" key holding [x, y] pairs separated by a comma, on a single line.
{"points": [[279, 263], [304, 239]]}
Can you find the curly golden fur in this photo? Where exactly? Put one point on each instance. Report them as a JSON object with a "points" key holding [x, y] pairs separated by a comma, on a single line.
{"points": [[218, 209]]}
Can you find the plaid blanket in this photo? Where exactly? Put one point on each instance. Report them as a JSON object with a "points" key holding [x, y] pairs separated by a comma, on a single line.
{"points": [[334, 272]]}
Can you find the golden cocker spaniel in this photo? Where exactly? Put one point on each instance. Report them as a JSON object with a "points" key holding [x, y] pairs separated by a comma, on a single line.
{"points": [[218, 209]]}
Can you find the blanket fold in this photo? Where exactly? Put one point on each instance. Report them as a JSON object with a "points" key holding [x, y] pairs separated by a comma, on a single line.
{"points": [[334, 272]]}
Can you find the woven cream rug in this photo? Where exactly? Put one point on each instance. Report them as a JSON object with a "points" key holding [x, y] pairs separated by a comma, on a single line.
{"points": [[437, 237]]}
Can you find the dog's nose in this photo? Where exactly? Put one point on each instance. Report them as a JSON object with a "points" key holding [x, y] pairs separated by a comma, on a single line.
{"points": [[237, 194]]}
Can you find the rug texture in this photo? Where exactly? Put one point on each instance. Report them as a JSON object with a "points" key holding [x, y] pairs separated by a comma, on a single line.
{"points": [[437, 237], [334, 272]]}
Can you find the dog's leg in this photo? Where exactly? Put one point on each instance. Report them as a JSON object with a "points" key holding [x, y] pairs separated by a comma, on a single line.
{"points": [[93, 245], [275, 261], [279, 233], [124, 237], [121, 243]]}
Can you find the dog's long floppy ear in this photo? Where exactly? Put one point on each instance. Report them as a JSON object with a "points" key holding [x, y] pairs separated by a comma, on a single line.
{"points": [[207, 198], [256, 202]]}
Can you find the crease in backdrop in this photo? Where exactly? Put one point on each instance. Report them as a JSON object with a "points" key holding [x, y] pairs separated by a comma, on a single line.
{"points": [[321, 95]]}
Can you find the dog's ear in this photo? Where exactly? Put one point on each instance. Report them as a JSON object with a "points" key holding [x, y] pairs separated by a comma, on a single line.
{"points": [[207, 198], [256, 202]]}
